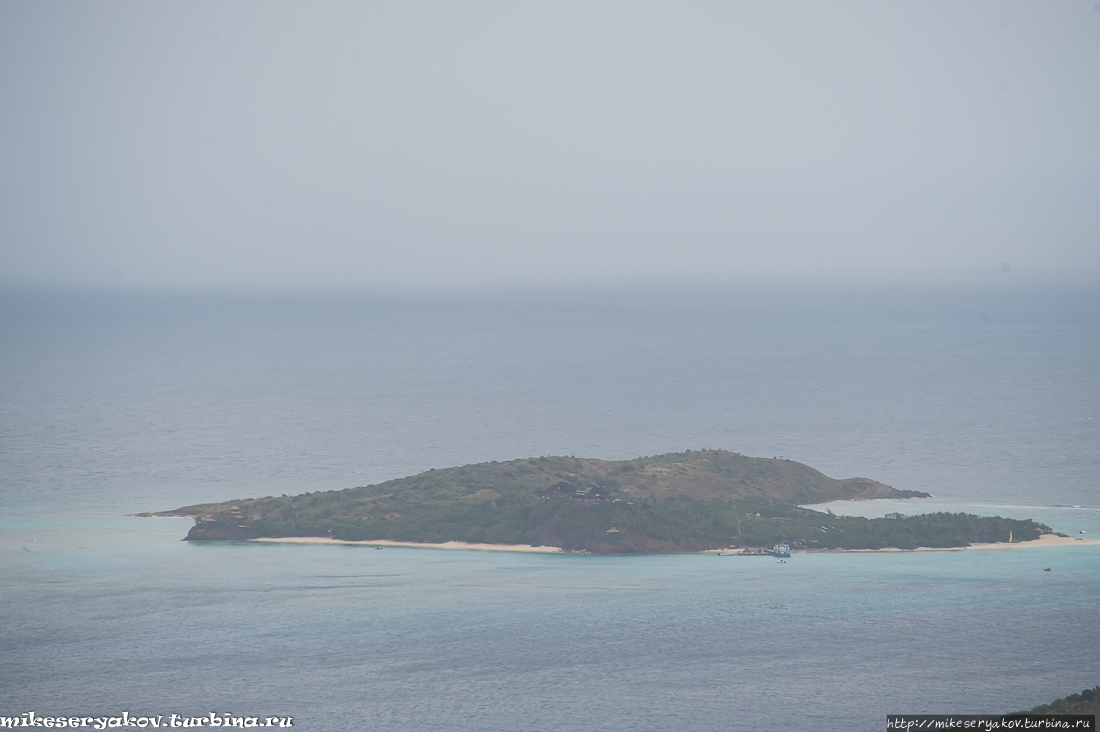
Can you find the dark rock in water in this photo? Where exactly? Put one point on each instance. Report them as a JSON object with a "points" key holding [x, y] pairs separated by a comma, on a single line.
{"points": [[220, 531]]}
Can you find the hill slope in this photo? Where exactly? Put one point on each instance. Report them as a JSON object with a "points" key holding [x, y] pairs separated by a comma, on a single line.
{"points": [[1087, 702]]}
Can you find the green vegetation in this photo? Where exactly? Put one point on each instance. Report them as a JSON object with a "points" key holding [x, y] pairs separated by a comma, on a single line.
{"points": [[667, 503], [1087, 702]]}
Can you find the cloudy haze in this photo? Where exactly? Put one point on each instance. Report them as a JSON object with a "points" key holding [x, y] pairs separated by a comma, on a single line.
{"points": [[463, 144]]}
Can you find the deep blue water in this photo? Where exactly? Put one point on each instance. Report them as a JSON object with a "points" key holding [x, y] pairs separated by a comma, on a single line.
{"points": [[116, 404]]}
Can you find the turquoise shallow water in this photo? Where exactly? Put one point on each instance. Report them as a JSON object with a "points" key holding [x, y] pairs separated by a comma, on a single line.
{"points": [[115, 405], [110, 614]]}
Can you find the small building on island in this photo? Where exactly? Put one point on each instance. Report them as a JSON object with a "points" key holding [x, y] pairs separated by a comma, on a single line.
{"points": [[556, 490], [568, 490]]}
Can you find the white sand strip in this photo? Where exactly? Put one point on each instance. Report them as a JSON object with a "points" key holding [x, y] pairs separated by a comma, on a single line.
{"points": [[1044, 540], [417, 544]]}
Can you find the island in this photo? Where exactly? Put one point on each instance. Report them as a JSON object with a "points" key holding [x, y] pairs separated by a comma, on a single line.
{"points": [[678, 502]]}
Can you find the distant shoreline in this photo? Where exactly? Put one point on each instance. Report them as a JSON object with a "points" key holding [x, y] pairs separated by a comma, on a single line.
{"points": [[1045, 540]]}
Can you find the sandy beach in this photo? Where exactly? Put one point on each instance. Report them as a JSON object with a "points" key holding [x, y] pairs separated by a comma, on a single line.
{"points": [[1045, 540], [417, 544], [1042, 541]]}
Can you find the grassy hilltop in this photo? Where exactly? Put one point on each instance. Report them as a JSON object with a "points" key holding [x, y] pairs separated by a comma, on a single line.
{"points": [[666, 503]]}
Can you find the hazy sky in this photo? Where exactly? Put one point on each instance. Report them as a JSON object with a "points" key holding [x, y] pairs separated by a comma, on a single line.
{"points": [[270, 144]]}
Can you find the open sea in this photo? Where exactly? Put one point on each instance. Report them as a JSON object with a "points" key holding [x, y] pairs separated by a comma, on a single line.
{"points": [[113, 404]]}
